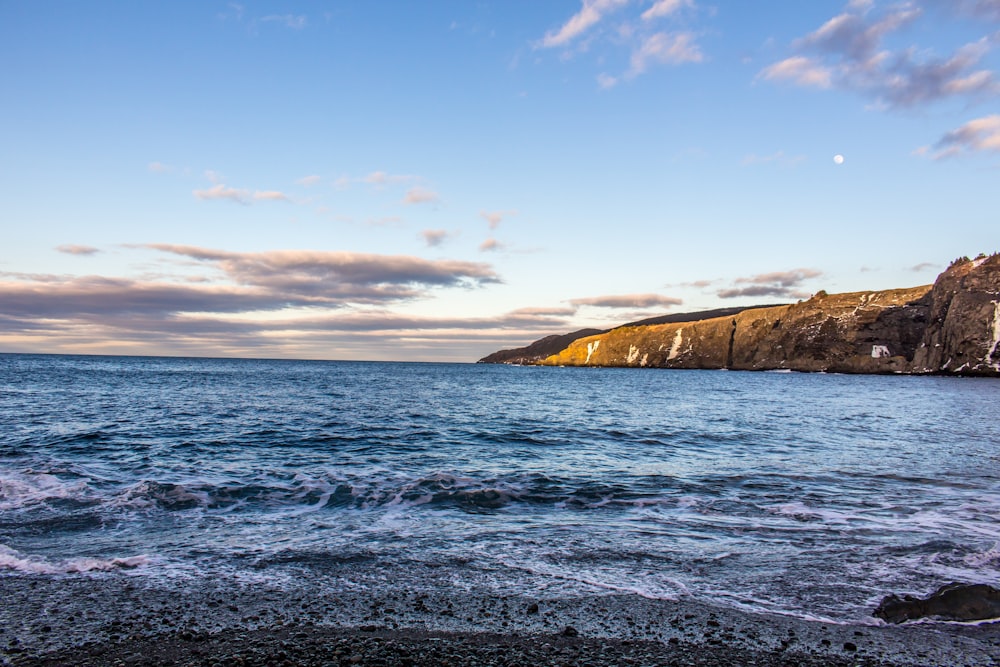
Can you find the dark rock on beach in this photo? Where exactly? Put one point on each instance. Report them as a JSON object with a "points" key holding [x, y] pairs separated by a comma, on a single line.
{"points": [[951, 602]]}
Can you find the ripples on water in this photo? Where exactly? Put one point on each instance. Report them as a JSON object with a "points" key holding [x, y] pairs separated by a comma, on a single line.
{"points": [[805, 494]]}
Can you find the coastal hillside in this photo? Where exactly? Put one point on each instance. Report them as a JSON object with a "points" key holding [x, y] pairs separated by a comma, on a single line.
{"points": [[544, 347], [952, 326]]}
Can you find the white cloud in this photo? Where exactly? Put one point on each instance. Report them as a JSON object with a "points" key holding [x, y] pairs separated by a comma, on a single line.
{"points": [[490, 245], [628, 301], [606, 81], [159, 167], [662, 8], [285, 303], [494, 218], [434, 237], [72, 249], [270, 195], [847, 52], [220, 191], [785, 284], [665, 49], [800, 70], [975, 136], [384, 178], [420, 196], [635, 32], [590, 14], [309, 181]]}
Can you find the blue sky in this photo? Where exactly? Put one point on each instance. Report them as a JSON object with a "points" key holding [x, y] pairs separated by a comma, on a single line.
{"points": [[438, 180]]}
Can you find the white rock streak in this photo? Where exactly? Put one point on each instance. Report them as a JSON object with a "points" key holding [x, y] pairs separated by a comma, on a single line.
{"points": [[992, 353], [675, 349], [633, 354], [591, 348]]}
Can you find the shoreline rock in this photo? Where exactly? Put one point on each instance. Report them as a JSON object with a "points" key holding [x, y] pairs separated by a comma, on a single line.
{"points": [[951, 602]]}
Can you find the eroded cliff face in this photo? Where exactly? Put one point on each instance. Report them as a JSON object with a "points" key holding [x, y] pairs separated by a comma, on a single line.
{"points": [[950, 327], [963, 334]]}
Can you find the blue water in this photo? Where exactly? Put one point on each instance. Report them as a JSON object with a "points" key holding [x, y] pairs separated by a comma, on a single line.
{"points": [[804, 494]]}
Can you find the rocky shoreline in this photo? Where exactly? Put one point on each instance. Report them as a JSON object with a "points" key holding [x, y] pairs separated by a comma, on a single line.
{"points": [[949, 328], [122, 619]]}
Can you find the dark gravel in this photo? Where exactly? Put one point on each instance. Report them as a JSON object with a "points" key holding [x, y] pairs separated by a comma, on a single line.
{"points": [[410, 648], [134, 620]]}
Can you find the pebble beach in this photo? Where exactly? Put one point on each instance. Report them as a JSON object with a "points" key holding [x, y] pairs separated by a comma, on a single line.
{"points": [[118, 619]]}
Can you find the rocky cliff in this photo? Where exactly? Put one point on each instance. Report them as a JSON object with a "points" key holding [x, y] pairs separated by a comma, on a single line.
{"points": [[544, 347], [541, 348], [952, 326]]}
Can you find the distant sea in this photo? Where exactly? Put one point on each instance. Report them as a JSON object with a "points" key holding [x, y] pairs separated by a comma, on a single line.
{"points": [[811, 495]]}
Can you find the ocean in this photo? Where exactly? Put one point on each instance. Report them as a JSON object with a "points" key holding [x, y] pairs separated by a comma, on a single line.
{"points": [[805, 495]]}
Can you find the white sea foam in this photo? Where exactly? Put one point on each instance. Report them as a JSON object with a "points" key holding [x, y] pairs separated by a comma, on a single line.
{"points": [[11, 559], [22, 489]]}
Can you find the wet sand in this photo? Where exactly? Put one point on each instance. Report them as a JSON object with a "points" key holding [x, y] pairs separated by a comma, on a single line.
{"points": [[112, 619]]}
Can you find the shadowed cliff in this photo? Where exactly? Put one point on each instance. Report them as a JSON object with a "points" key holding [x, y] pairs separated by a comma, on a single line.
{"points": [[952, 326]]}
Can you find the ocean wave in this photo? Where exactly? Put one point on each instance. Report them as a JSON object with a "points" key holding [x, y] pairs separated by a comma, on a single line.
{"points": [[304, 493], [28, 488], [11, 559]]}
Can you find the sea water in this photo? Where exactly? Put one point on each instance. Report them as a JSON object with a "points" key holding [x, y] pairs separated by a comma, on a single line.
{"points": [[804, 494]]}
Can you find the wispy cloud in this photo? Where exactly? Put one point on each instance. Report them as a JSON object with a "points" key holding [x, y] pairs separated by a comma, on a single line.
{"points": [[663, 8], [345, 333], [270, 195], [385, 178], [220, 191], [606, 81], [494, 218], [776, 283], [700, 284], [309, 181], [490, 245], [159, 168], [589, 15], [981, 9], [71, 249], [801, 71], [420, 195], [848, 52], [296, 22], [975, 136], [637, 31], [923, 266], [665, 48], [238, 195], [434, 237], [628, 301], [332, 276], [281, 303], [239, 282]]}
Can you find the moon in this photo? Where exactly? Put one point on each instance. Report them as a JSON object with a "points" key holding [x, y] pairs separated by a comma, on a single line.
{"points": [[838, 159]]}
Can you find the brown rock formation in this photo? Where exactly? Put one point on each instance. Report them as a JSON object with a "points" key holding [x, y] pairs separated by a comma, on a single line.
{"points": [[950, 327]]}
